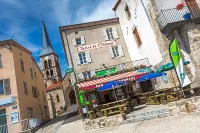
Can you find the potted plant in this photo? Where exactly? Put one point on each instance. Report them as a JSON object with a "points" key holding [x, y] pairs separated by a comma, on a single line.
{"points": [[180, 6]]}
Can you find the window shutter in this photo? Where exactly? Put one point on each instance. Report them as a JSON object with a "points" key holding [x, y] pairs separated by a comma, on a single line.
{"points": [[105, 34], [82, 40], [74, 41], [77, 59], [7, 86], [80, 76], [1, 63], [93, 73], [115, 33], [120, 50], [111, 52], [88, 57]]}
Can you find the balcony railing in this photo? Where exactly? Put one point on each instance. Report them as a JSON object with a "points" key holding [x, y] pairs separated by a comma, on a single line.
{"points": [[116, 69], [167, 17]]}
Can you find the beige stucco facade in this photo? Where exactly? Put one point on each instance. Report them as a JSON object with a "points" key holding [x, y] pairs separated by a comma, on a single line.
{"points": [[11, 56], [93, 32]]}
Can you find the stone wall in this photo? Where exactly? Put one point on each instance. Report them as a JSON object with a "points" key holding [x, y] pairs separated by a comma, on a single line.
{"points": [[185, 106], [163, 42], [56, 107], [102, 122]]}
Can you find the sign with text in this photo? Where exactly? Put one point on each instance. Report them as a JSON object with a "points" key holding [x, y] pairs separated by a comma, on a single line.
{"points": [[106, 72], [96, 46]]}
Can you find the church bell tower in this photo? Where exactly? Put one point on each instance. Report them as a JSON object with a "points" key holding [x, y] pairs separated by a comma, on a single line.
{"points": [[49, 60]]}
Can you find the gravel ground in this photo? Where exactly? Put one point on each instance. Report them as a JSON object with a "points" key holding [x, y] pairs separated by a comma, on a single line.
{"points": [[172, 124]]}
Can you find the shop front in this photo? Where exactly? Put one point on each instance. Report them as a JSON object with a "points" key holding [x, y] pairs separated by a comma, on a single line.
{"points": [[91, 97]]}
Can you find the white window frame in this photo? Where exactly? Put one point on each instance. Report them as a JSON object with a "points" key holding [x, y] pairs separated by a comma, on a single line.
{"points": [[4, 87], [110, 35], [87, 74], [82, 58], [116, 51], [81, 41]]}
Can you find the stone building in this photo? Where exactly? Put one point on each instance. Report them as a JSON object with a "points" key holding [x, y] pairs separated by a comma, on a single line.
{"points": [[49, 60], [168, 23], [60, 96], [22, 89], [98, 54], [58, 88]]}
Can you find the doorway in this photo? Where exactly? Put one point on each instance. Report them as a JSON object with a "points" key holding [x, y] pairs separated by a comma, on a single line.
{"points": [[72, 97]]}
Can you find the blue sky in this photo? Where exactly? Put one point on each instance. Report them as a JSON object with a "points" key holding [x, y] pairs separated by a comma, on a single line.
{"points": [[21, 20]]}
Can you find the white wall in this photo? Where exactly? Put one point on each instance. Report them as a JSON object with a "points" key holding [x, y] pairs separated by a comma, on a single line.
{"points": [[149, 48]]}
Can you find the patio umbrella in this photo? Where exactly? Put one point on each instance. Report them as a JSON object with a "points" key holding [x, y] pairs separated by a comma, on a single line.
{"points": [[111, 85], [169, 66], [150, 76]]}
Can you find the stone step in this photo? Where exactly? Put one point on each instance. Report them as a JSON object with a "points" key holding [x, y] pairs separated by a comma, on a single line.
{"points": [[148, 113], [149, 117]]}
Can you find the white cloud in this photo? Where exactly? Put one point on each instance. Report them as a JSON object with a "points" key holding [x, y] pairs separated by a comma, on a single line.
{"points": [[102, 11], [19, 35], [61, 12]]}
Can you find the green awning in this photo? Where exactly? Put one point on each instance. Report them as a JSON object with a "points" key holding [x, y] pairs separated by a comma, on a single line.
{"points": [[169, 66]]}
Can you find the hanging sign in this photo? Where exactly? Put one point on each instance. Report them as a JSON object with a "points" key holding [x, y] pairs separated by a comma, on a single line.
{"points": [[177, 60], [96, 46]]}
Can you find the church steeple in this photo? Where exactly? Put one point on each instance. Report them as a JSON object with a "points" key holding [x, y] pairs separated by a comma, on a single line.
{"points": [[47, 47], [49, 60]]}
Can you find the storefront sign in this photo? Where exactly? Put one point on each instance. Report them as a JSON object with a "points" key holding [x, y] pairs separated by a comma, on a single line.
{"points": [[96, 46], [145, 70], [106, 72]]}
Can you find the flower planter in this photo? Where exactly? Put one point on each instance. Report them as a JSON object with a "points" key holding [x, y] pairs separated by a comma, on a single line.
{"points": [[180, 6], [187, 16]]}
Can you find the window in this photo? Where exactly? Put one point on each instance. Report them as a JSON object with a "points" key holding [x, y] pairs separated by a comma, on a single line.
{"points": [[5, 86], [115, 51], [34, 91], [82, 58], [45, 111], [22, 65], [25, 88], [43, 96], [50, 63], [78, 41], [45, 65], [51, 72], [47, 74], [137, 37], [1, 63], [87, 75], [128, 13], [110, 34], [30, 112], [57, 98], [76, 32], [31, 71]]}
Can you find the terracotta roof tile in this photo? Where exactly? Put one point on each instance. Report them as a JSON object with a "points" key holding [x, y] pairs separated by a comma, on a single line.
{"points": [[53, 86]]}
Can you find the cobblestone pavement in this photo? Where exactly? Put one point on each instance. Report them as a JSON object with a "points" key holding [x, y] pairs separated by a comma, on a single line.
{"points": [[172, 124]]}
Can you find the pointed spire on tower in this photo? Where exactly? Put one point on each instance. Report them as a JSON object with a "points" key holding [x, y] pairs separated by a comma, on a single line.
{"points": [[47, 47]]}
